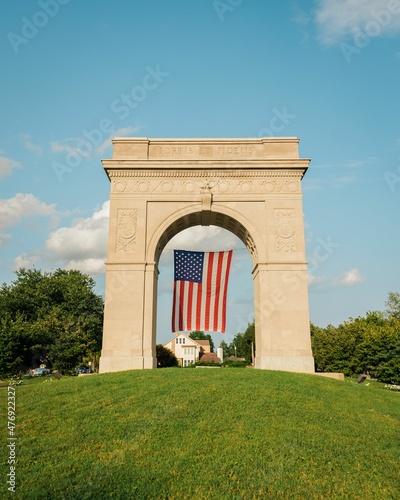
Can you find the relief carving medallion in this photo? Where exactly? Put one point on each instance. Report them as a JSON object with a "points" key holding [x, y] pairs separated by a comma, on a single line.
{"points": [[126, 230], [284, 231]]}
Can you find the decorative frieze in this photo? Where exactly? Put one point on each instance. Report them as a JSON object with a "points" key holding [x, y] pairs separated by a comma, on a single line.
{"points": [[126, 230], [221, 184]]}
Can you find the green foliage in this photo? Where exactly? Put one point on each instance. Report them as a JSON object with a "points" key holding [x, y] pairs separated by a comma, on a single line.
{"points": [[226, 349], [241, 346], [362, 345], [235, 364], [200, 335], [393, 305], [207, 363], [250, 434], [165, 357], [50, 318]]}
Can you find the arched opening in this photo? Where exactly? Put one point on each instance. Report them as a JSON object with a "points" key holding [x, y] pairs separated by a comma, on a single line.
{"points": [[218, 219], [240, 304], [224, 232]]}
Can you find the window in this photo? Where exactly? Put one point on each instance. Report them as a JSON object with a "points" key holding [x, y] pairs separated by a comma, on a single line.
{"points": [[176, 339], [183, 340]]}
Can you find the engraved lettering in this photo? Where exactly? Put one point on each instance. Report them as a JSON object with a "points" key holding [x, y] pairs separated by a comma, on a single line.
{"points": [[176, 150], [235, 150]]}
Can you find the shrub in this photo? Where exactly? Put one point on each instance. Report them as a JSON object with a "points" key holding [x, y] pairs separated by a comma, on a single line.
{"points": [[235, 364]]}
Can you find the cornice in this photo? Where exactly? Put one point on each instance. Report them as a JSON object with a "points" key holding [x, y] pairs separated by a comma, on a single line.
{"points": [[143, 173]]}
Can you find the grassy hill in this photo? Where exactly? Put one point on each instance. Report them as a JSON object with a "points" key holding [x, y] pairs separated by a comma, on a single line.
{"points": [[204, 434]]}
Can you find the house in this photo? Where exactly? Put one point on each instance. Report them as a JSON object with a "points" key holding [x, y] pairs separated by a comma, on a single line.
{"points": [[187, 350], [205, 344]]}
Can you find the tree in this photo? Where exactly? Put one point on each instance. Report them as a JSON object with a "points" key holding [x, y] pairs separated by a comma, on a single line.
{"points": [[393, 305], [227, 349], [165, 357], [50, 318], [369, 344], [199, 335], [241, 345]]}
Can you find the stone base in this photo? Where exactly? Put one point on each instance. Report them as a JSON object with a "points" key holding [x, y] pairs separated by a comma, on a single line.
{"points": [[124, 363], [337, 376], [298, 364]]}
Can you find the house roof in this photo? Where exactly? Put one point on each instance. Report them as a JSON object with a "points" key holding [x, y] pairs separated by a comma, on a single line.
{"points": [[210, 356], [234, 358], [203, 342], [191, 343]]}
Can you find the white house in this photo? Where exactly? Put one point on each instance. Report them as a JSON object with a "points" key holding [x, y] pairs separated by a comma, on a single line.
{"points": [[187, 350]]}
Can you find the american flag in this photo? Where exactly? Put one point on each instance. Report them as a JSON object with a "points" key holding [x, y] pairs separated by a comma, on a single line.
{"points": [[200, 290]]}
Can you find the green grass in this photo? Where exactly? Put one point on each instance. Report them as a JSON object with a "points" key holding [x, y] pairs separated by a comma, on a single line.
{"points": [[204, 434]]}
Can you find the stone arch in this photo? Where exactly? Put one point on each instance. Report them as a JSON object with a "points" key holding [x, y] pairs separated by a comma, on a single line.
{"points": [[251, 187], [178, 222]]}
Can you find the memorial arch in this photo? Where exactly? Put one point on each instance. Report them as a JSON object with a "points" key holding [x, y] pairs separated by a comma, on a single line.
{"points": [[251, 187]]}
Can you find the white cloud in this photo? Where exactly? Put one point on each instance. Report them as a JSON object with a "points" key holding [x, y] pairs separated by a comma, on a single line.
{"points": [[7, 165], [75, 146], [300, 16], [313, 280], [29, 145], [22, 206], [92, 267], [25, 260], [201, 239], [83, 245], [324, 283], [120, 132], [351, 277], [339, 19], [87, 146], [318, 283], [342, 182]]}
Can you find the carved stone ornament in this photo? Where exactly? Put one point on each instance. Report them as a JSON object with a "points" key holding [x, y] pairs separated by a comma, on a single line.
{"points": [[126, 230], [194, 182], [284, 231]]}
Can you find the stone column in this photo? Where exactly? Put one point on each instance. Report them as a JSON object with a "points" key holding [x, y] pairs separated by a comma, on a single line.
{"points": [[280, 290], [281, 318], [123, 318]]}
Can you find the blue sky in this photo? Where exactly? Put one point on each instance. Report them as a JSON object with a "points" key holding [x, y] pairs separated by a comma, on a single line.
{"points": [[225, 68]]}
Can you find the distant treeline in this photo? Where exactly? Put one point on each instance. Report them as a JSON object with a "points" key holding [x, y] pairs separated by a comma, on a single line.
{"points": [[369, 344], [56, 319]]}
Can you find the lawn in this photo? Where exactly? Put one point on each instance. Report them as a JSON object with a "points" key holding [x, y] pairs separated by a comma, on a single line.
{"points": [[203, 434]]}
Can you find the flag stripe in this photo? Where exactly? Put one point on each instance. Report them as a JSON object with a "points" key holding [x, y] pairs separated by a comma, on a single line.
{"points": [[189, 303], [199, 290], [209, 278], [181, 304], [217, 290], [223, 302], [174, 309]]}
